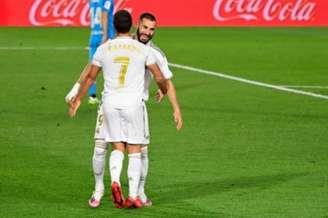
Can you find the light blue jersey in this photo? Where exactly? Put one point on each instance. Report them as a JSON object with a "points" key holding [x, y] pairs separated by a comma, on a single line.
{"points": [[96, 8]]}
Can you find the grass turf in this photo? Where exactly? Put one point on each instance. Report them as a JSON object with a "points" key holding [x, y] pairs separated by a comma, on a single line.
{"points": [[245, 151]]}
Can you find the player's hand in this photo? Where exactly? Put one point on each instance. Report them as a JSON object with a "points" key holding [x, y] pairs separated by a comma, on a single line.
{"points": [[73, 93], [178, 119], [159, 96], [73, 106]]}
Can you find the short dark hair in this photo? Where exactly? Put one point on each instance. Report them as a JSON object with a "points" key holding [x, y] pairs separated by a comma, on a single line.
{"points": [[148, 16], [122, 21]]}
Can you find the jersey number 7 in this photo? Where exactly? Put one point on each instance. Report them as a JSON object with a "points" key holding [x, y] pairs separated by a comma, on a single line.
{"points": [[124, 61]]}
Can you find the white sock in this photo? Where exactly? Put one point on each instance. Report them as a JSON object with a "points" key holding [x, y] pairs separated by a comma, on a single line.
{"points": [[134, 170], [115, 165], [98, 164], [143, 175]]}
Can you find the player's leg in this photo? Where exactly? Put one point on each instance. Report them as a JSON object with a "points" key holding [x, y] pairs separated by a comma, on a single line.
{"points": [[112, 120], [134, 171], [144, 163], [143, 176], [98, 165], [116, 161], [115, 167], [99, 159], [135, 128]]}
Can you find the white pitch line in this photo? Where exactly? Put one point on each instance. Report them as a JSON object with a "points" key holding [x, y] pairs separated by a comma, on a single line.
{"points": [[193, 69], [304, 87], [261, 84], [26, 48]]}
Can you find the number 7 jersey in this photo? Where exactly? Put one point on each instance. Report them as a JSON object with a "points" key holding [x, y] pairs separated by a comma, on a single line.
{"points": [[123, 61]]}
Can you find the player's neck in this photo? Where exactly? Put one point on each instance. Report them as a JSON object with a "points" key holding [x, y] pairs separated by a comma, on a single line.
{"points": [[123, 35]]}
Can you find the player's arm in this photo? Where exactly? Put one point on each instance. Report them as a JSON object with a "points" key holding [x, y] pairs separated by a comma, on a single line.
{"points": [[104, 23], [171, 93], [87, 80], [156, 72], [85, 83], [84, 74], [106, 9], [74, 91], [158, 77]]}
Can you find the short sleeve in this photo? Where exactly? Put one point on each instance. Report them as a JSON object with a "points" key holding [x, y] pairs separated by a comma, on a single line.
{"points": [[98, 56], [163, 64], [150, 59]]}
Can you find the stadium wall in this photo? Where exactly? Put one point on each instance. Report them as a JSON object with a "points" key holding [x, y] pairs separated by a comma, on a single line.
{"points": [[172, 12]]}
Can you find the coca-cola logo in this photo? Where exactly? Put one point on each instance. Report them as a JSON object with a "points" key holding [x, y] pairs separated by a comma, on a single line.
{"points": [[267, 10], [63, 12]]}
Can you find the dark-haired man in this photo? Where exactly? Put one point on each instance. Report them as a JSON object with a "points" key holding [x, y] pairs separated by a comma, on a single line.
{"points": [[145, 32]]}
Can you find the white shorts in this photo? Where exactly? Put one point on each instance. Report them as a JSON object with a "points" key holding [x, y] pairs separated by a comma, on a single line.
{"points": [[128, 125]]}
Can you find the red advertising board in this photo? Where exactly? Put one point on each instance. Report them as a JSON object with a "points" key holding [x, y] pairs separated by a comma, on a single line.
{"points": [[172, 12]]}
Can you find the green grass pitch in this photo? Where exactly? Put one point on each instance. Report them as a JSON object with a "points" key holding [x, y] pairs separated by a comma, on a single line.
{"points": [[244, 151]]}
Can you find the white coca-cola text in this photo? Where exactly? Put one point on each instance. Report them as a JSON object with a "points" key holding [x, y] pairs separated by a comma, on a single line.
{"points": [[267, 10], [63, 12]]}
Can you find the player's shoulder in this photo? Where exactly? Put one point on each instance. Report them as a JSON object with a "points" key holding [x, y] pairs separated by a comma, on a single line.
{"points": [[105, 44], [140, 45], [156, 49], [108, 42]]}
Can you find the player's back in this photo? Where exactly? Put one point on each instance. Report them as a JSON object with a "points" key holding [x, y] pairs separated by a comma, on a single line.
{"points": [[123, 61]]}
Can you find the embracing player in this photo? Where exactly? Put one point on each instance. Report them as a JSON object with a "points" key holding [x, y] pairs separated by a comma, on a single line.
{"points": [[145, 31], [123, 62]]}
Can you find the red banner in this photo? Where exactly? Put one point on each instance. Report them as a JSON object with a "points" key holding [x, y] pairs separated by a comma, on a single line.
{"points": [[172, 12]]}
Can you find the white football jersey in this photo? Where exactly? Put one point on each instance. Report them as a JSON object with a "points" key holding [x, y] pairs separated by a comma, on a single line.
{"points": [[162, 63], [123, 61]]}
